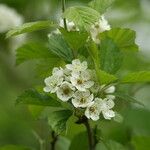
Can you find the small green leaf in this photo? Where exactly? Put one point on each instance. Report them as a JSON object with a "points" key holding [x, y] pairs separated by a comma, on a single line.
{"points": [[75, 39], [14, 147], [31, 51], [110, 56], [58, 46], [106, 78], [127, 98], [142, 76], [30, 27], [101, 5], [83, 17], [58, 119], [123, 38], [33, 97]]}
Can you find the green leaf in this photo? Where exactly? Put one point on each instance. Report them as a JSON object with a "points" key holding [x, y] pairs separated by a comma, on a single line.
{"points": [[110, 145], [58, 119], [45, 66], [142, 76], [33, 97], [141, 142], [58, 46], [75, 39], [101, 5], [35, 110], [103, 77], [80, 142], [32, 50], [127, 98], [124, 38], [82, 16], [110, 56], [30, 27], [106, 78], [14, 147]]}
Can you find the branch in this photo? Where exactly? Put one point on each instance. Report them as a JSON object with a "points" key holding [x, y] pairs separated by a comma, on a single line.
{"points": [[63, 10], [84, 120], [54, 140]]}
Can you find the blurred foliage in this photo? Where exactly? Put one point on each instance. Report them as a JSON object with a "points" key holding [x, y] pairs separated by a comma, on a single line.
{"points": [[18, 126]]}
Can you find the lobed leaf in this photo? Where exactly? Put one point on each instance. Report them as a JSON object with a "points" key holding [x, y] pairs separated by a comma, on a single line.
{"points": [[101, 5], [33, 97], [32, 50], [106, 78], [30, 27], [75, 39], [58, 119], [124, 38], [110, 56], [142, 76], [82, 16], [59, 46]]}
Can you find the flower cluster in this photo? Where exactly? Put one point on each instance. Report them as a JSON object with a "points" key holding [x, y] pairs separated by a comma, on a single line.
{"points": [[75, 83], [99, 27]]}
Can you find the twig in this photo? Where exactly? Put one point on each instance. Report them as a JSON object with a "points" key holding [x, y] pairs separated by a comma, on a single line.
{"points": [[84, 120], [63, 10], [54, 140]]}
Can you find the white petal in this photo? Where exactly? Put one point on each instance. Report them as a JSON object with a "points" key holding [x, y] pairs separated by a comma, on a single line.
{"points": [[69, 66], [110, 89], [76, 62], [108, 114], [88, 84], [110, 97], [95, 117], [47, 89], [75, 103], [87, 114], [110, 104]]}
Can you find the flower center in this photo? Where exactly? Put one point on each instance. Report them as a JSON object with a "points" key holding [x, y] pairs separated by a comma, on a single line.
{"points": [[82, 100], [97, 26], [92, 109], [79, 81], [66, 91]]}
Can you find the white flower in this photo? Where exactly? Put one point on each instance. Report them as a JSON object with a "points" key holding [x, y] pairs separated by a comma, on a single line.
{"points": [[9, 18], [108, 91], [52, 83], [100, 26], [57, 72], [65, 91], [70, 25], [77, 66], [82, 80], [82, 99], [93, 111], [105, 107]]}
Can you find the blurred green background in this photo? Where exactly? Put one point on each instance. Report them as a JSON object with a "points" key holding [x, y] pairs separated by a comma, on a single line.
{"points": [[17, 124]]}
